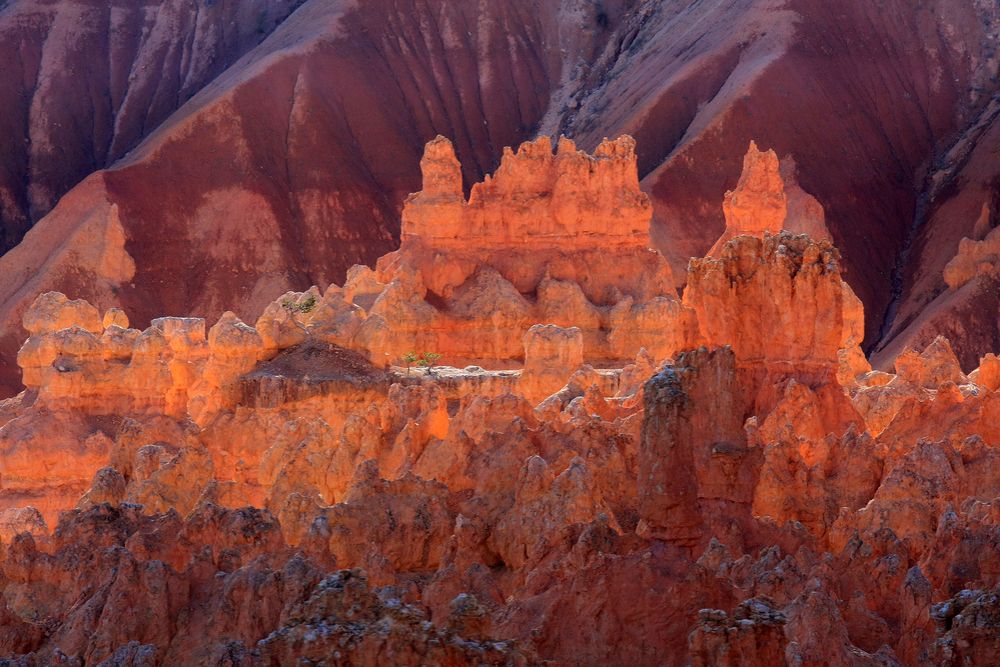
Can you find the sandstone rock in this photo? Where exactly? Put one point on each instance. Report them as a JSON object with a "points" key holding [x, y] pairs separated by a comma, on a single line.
{"points": [[935, 365], [801, 312], [988, 373], [405, 521], [551, 355], [17, 520], [530, 229], [686, 181], [115, 317], [758, 204], [823, 636], [974, 258], [577, 510], [344, 617], [810, 472], [754, 635], [108, 487], [544, 504], [694, 413], [48, 463], [968, 627], [805, 214], [52, 311], [557, 199]]}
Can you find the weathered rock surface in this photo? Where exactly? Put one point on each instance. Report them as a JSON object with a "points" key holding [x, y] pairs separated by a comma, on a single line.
{"points": [[558, 238], [267, 172], [768, 199], [291, 490]]}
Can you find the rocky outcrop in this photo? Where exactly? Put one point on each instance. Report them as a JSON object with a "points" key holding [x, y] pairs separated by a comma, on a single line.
{"points": [[304, 487], [758, 204], [557, 238], [693, 421], [768, 199], [530, 216], [753, 634], [551, 355], [343, 617], [968, 624], [803, 315], [328, 137], [73, 362], [701, 83], [934, 366], [268, 191], [217, 588], [974, 259]]}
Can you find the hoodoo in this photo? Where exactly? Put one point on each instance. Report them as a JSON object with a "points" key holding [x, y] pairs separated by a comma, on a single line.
{"points": [[556, 238]]}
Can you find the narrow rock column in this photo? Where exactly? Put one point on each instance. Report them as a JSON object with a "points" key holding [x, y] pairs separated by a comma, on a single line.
{"points": [[695, 470]]}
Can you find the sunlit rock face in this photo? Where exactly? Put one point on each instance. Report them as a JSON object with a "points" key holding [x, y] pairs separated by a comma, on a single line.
{"points": [[781, 304], [759, 203], [625, 477], [541, 214], [768, 199], [551, 237]]}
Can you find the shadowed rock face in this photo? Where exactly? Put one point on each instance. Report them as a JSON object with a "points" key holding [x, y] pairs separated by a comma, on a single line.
{"points": [[85, 82]]}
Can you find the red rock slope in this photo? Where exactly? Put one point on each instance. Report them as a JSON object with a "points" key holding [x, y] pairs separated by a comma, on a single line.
{"points": [[84, 82]]}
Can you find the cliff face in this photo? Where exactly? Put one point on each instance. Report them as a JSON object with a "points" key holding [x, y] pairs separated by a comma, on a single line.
{"points": [[744, 490]]}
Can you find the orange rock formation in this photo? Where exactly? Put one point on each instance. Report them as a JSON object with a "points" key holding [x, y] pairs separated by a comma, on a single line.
{"points": [[557, 238], [974, 259], [634, 479], [768, 199]]}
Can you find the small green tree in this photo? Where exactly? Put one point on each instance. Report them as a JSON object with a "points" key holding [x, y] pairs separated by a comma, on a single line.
{"points": [[427, 360], [295, 308], [409, 359]]}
